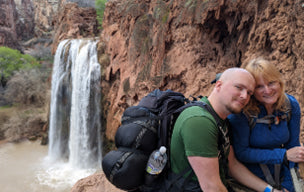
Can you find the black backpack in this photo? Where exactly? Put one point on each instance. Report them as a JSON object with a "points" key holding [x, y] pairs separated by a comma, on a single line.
{"points": [[143, 129]]}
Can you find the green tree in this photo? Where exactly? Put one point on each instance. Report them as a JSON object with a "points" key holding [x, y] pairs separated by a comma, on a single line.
{"points": [[12, 60], [100, 7]]}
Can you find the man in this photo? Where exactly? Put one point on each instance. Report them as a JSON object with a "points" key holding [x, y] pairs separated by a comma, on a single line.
{"points": [[196, 138]]}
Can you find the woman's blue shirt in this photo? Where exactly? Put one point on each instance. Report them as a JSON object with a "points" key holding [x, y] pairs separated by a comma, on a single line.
{"points": [[266, 144]]}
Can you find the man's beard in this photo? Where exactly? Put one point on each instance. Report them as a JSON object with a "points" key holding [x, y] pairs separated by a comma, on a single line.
{"points": [[233, 110]]}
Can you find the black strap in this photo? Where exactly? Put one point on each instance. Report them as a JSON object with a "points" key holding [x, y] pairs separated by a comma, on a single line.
{"points": [[173, 178], [118, 164], [267, 174], [277, 170], [275, 182], [213, 113], [220, 124], [208, 108]]}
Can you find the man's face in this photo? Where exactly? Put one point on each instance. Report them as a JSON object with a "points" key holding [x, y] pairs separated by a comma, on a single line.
{"points": [[236, 91]]}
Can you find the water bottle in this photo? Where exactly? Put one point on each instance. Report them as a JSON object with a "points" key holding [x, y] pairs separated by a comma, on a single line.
{"points": [[156, 163]]}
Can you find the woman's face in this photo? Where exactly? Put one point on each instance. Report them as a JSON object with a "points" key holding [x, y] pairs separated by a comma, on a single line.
{"points": [[267, 92]]}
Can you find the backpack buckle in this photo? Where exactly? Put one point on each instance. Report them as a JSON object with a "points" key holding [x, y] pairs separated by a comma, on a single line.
{"points": [[276, 120]]}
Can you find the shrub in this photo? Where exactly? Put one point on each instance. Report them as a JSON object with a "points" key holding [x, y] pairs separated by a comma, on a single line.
{"points": [[42, 53], [12, 60], [27, 87], [100, 7]]}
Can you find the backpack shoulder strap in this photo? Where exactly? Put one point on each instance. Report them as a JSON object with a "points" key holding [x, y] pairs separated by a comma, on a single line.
{"points": [[224, 137], [204, 106], [251, 119], [208, 108], [288, 108], [269, 119], [275, 182]]}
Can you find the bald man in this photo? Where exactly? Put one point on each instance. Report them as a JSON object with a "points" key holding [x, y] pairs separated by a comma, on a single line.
{"points": [[200, 145]]}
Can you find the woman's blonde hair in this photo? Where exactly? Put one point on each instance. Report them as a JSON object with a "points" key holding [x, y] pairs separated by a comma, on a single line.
{"points": [[260, 67]]}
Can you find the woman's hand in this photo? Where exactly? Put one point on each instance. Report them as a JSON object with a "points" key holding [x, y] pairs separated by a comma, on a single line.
{"points": [[295, 154]]}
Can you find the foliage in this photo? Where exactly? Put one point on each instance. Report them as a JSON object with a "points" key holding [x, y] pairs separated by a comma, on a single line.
{"points": [[12, 60], [42, 53], [100, 7], [26, 93], [5, 107], [27, 87], [83, 3]]}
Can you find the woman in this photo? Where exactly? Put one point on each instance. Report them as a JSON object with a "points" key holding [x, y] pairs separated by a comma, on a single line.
{"points": [[267, 131]]}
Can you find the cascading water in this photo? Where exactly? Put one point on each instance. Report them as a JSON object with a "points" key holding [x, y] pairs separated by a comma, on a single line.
{"points": [[74, 115], [74, 132], [84, 141]]}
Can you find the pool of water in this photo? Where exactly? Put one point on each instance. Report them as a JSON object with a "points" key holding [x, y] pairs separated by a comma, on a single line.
{"points": [[25, 167]]}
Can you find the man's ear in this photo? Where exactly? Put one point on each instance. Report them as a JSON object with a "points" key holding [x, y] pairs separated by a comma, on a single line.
{"points": [[218, 84]]}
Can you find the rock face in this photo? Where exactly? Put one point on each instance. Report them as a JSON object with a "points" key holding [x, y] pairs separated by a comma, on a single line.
{"points": [[44, 14], [74, 22], [181, 45], [22, 20], [24, 23], [8, 28]]}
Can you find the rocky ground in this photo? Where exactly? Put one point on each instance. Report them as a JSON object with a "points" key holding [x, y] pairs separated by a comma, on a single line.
{"points": [[94, 183], [98, 182]]}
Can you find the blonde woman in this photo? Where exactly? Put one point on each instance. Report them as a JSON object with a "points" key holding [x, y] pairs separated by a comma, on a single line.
{"points": [[266, 133]]}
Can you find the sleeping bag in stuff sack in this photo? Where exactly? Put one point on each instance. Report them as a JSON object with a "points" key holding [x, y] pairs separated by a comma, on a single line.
{"points": [[137, 112], [133, 135], [118, 165], [138, 129]]}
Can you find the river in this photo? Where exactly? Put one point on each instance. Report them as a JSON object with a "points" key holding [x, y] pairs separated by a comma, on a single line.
{"points": [[25, 167]]}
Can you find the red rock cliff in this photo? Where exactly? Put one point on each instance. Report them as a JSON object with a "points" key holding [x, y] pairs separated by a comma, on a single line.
{"points": [[73, 21], [8, 25], [181, 45]]}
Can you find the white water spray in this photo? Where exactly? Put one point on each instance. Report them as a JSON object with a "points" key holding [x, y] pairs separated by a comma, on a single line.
{"points": [[74, 132]]}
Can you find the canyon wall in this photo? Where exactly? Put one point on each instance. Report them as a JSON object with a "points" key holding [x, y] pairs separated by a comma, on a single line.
{"points": [[25, 23], [181, 45]]}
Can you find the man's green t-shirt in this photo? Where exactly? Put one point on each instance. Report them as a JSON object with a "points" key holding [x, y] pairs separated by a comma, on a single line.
{"points": [[195, 133]]}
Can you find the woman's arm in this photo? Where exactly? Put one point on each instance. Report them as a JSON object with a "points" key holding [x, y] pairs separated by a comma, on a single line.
{"points": [[294, 123], [239, 172], [294, 152], [243, 149]]}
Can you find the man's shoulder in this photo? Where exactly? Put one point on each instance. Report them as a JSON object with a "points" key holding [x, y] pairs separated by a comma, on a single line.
{"points": [[196, 112]]}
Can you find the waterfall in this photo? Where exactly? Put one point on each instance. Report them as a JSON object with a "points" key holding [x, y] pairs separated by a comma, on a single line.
{"points": [[74, 132]]}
